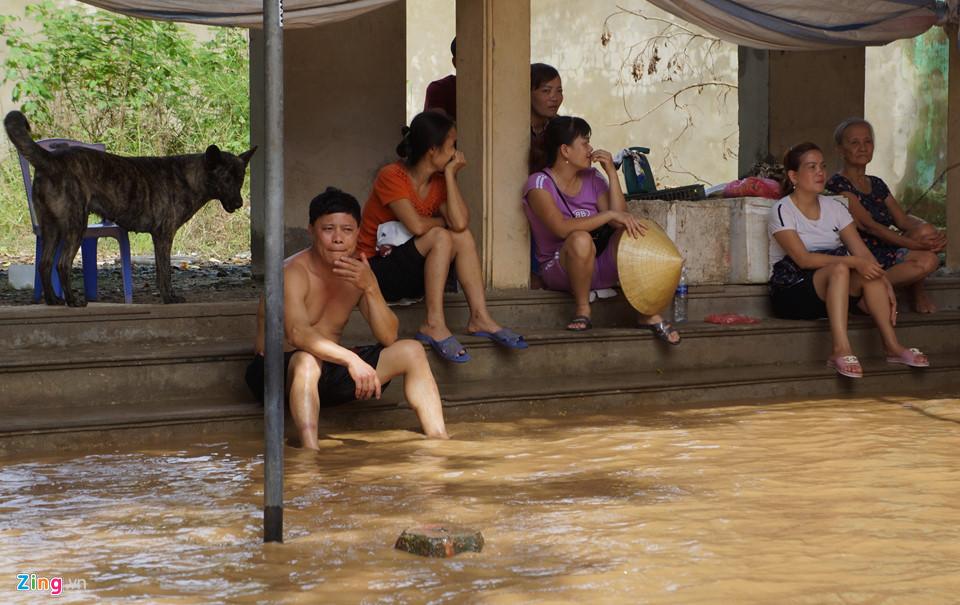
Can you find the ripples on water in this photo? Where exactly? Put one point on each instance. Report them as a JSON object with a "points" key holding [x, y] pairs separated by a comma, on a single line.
{"points": [[825, 502]]}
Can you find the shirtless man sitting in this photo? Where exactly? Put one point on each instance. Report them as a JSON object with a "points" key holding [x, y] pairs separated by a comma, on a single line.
{"points": [[321, 286]]}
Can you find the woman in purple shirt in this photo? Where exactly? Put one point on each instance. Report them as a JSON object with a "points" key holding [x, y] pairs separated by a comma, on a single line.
{"points": [[565, 200]]}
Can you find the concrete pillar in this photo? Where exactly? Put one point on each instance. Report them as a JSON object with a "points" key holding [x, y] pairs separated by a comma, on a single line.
{"points": [[493, 125], [753, 114], [953, 152], [344, 91], [787, 97]]}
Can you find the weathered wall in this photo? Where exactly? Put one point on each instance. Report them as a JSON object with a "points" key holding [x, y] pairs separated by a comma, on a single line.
{"points": [[788, 98], [343, 111], [810, 93], [904, 91], [431, 25], [698, 139], [906, 100]]}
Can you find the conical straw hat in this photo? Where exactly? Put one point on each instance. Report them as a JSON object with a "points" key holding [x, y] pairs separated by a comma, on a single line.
{"points": [[649, 268]]}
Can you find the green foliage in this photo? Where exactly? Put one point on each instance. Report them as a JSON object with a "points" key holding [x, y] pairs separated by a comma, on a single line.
{"points": [[141, 87], [925, 148]]}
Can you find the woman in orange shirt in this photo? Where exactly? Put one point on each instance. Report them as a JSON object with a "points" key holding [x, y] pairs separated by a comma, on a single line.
{"points": [[421, 192]]}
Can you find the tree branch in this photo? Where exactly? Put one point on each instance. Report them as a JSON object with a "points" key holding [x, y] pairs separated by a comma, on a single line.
{"points": [[675, 98]]}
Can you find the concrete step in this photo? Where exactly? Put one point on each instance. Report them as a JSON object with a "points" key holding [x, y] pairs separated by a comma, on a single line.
{"points": [[125, 424], [39, 326], [762, 384], [105, 373], [43, 327], [545, 310], [563, 353], [136, 420], [113, 370], [121, 413]]}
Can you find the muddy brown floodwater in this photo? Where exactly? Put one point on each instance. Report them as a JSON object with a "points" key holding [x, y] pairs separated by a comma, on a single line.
{"points": [[806, 502]]}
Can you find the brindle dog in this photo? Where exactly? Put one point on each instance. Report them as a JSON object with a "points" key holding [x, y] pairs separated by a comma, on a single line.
{"points": [[155, 195]]}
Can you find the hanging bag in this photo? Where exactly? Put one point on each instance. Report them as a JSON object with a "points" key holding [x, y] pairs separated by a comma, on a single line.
{"points": [[601, 235]]}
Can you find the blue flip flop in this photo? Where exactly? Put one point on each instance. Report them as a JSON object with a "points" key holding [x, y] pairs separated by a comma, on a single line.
{"points": [[504, 337], [449, 348]]}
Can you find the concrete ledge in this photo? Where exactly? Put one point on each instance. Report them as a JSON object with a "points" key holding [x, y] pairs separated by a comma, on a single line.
{"points": [[42, 326], [723, 240], [60, 313], [522, 397], [106, 391]]}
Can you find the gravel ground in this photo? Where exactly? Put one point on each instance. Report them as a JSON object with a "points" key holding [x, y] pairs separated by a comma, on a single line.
{"points": [[197, 280]]}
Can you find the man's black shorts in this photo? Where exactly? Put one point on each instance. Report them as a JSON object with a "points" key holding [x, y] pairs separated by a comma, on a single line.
{"points": [[400, 273], [336, 386]]}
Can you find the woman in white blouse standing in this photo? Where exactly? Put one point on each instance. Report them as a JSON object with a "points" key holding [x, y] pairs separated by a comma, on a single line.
{"points": [[820, 265]]}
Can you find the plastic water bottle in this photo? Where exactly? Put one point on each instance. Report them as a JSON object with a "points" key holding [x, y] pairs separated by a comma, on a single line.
{"points": [[680, 299]]}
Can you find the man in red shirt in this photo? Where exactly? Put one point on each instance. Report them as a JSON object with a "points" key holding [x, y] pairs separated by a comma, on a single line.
{"points": [[442, 93]]}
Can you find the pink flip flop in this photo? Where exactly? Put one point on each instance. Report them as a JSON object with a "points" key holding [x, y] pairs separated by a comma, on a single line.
{"points": [[846, 365], [910, 357]]}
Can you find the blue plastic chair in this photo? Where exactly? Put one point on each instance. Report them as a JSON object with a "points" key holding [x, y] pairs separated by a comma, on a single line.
{"points": [[88, 248]]}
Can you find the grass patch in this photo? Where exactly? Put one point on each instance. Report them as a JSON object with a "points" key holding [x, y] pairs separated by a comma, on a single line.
{"points": [[16, 233]]}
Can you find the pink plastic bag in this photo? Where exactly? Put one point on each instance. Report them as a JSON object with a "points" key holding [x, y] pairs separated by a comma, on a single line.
{"points": [[753, 186]]}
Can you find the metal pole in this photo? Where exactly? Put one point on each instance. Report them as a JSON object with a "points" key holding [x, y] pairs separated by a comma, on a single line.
{"points": [[273, 270]]}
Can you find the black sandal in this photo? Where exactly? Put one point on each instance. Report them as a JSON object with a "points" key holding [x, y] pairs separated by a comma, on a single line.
{"points": [[663, 329], [580, 320]]}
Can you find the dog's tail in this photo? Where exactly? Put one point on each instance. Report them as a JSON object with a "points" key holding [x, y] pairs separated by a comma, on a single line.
{"points": [[18, 129]]}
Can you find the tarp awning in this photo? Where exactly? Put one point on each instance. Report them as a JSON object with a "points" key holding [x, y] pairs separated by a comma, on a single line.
{"points": [[241, 13], [770, 24], [809, 24]]}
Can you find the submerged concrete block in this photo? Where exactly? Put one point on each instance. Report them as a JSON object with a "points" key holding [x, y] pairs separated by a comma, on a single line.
{"points": [[439, 540]]}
